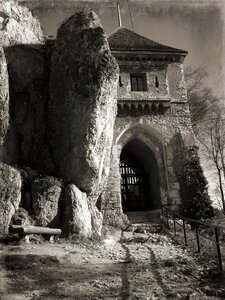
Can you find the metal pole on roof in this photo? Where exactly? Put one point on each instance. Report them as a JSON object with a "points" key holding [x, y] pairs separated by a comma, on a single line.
{"points": [[131, 19], [119, 15]]}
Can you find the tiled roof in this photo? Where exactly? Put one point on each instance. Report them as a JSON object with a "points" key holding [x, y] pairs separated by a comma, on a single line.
{"points": [[125, 39]]}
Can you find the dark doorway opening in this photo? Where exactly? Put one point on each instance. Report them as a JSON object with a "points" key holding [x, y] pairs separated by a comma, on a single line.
{"points": [[140, 188], [134, 183]]}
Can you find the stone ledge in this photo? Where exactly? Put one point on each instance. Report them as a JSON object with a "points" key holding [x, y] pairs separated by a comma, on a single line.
{"points": [[143, 107]]}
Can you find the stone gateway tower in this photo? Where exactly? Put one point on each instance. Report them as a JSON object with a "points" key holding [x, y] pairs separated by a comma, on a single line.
{"points": [[151, 129]]}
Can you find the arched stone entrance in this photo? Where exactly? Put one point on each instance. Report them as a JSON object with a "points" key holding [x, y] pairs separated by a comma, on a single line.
{"points": [[147, 146], [140, 187]]}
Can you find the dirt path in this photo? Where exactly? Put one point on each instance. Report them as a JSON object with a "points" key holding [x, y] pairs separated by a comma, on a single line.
{"points": [[131, 269]]}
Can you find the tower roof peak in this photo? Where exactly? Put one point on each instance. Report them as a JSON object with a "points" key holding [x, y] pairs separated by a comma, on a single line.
{"points": [[123, 39]]}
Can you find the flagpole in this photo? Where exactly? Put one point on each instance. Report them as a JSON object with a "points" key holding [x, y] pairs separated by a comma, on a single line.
{"points": [[119, 15]]}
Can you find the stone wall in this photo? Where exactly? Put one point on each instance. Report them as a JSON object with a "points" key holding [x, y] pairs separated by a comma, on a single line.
{"points": [[177, 85], [170, 79], [162, 92], [157, 132]]}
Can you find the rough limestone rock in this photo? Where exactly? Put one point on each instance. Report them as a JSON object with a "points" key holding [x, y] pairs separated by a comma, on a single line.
{"points": [[21, 217], [26, 141], [76, 214], [28, 174], [82, 113], [96, 220], [10, 188], [4, 97], [17, 25], [46, 193]]}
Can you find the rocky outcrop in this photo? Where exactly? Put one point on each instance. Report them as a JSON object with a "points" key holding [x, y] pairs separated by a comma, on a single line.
{"points": [[17, 26], [46, 195], [76, 213], [61, 107], [96, 220], [28, 176], [26, 142], [10, 195], [21, 217], [4, 97], [82, 113]]}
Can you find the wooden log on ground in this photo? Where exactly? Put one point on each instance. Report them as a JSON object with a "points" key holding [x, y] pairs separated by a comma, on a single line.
{"points": [[23, 230]]}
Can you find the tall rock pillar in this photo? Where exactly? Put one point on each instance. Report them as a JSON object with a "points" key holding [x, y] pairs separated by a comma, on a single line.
{"points": [[82, 107]]}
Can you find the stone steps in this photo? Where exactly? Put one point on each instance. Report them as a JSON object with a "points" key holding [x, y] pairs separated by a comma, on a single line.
{"points": [[152, 216], [145, 227], [144, 221]]}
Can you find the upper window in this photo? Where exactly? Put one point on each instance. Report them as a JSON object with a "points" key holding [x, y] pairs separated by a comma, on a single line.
{"points": [[156, 82], [138, 82]]}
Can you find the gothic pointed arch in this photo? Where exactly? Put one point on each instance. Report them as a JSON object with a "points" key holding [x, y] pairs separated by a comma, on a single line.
{"points": [[142, 169], [140, 184]]}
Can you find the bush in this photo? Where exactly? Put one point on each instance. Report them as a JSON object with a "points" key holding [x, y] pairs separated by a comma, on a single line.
{"points": [[197, 203]]}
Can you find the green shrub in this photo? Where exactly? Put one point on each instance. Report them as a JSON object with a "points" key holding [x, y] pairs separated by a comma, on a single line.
{"points": [[197, 203]]}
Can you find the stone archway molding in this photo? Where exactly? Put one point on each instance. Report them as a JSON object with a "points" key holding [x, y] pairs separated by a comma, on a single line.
{"points": [[152, 139], [129, 133]]}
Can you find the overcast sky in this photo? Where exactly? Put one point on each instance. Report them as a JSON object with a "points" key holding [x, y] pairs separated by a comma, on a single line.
{"points": [[195, 26]]}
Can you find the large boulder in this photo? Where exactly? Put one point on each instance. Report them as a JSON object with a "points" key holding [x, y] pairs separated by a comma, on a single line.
{"points": [[46, 195], [82, 107], [10, 195], [76, 214]]}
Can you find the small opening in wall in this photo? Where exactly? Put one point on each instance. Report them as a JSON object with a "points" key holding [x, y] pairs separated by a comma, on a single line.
{"points": [[156, 82], [120, 81]]}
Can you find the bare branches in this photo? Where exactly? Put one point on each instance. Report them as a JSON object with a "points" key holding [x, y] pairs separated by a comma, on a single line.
{"points": [[212, 138], [194, 78], [208, 120], [201, 99]]}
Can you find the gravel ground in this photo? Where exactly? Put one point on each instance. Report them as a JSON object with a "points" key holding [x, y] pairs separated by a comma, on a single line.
{"points": [[131, 266]]}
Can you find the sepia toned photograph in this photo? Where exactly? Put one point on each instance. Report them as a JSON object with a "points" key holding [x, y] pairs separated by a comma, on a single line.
{"points": [[112, 149]]}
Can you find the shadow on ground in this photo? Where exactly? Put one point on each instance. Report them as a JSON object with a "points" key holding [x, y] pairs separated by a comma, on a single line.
{"points": [[45, 277]]}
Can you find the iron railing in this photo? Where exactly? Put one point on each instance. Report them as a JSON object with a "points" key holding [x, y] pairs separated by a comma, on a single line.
{"points": [[173, 219]]}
